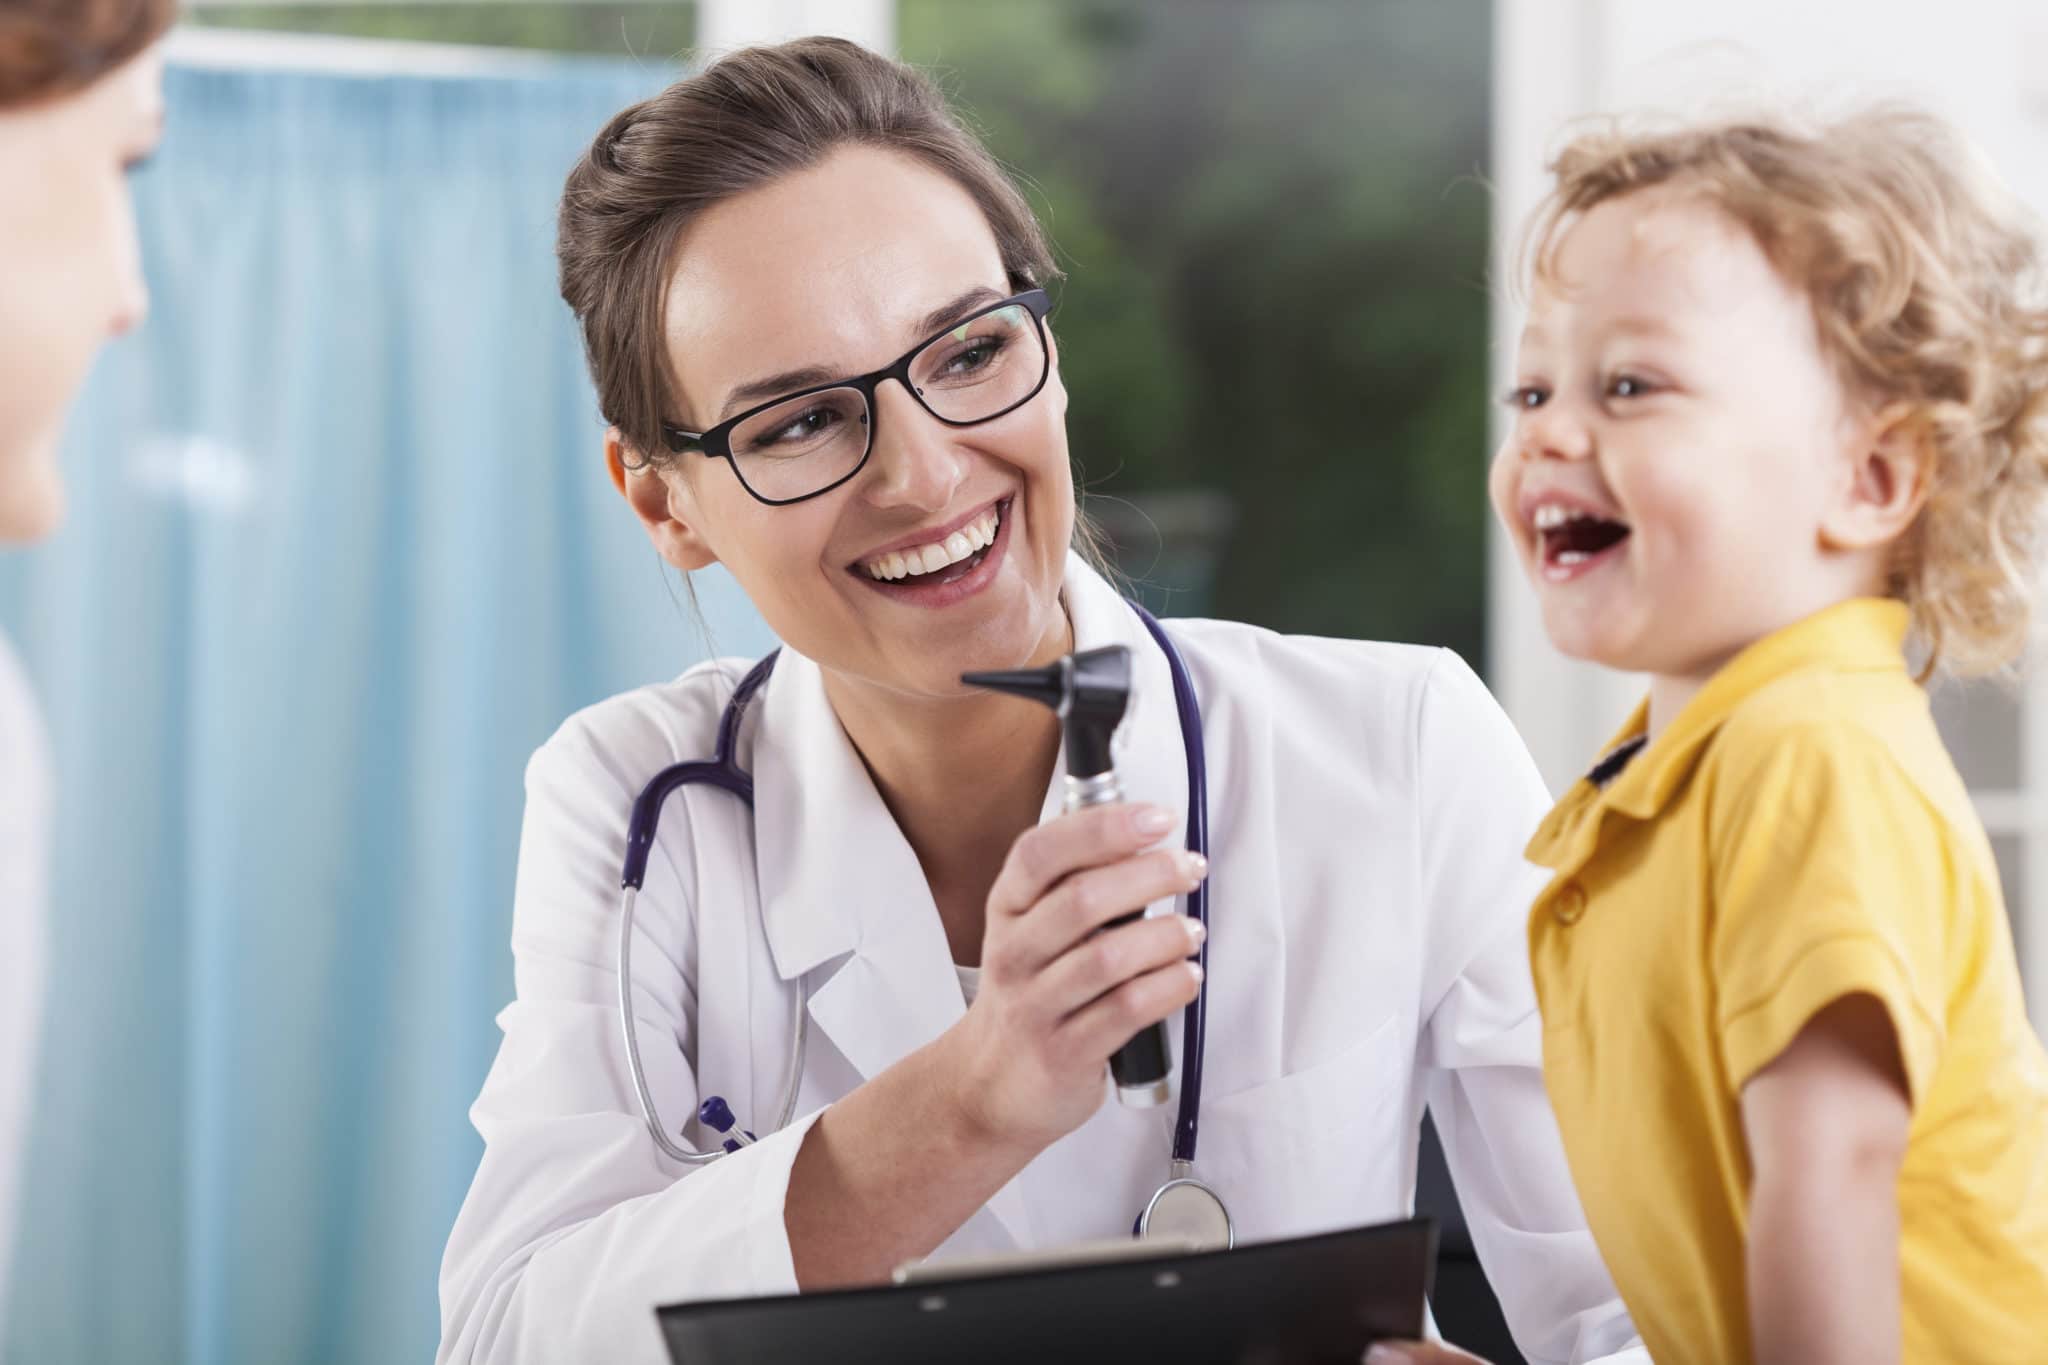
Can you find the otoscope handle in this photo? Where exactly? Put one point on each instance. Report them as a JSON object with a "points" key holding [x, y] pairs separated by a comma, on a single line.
{"points": [[1140, 1067]]}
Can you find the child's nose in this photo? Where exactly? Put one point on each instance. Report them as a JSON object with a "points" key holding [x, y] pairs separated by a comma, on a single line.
{"points": [[1554, 432]]}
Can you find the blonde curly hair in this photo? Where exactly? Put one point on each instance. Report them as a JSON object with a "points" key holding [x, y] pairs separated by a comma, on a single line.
{"points": [[1926, 283]]}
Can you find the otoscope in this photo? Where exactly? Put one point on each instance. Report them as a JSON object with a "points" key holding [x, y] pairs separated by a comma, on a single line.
{"points": [[1090, 692]]}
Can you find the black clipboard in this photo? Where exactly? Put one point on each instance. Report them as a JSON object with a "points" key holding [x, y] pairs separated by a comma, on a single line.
{"points": [[1307, 1299]]}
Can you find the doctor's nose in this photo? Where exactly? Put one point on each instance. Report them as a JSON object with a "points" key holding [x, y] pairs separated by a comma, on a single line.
{"points": [[915, 462]]}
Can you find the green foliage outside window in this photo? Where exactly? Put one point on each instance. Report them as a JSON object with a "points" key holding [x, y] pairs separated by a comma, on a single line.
{"points": [[1276, 241], [654, 31]]}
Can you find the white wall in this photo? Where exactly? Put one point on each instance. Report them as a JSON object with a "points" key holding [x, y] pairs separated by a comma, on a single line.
{"points": [[1983, 63], [726, 24]]}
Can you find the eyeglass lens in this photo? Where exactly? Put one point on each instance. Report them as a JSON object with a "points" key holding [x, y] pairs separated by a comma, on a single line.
{"points": [[979, 370]]}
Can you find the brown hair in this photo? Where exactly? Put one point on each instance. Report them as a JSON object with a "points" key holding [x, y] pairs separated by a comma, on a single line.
{"points": [[1926, 286], [752, 117], [54, 47]]}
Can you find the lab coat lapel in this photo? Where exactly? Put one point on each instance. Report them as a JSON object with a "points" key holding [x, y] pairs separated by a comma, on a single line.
{"points": [[841, 885], [841, 888]]}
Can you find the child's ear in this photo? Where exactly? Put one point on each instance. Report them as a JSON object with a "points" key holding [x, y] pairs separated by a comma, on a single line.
{"points": [[663, 503], [1891, 467]]}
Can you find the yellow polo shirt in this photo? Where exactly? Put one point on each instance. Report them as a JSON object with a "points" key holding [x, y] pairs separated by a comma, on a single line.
{"points": [[1798, 834]]}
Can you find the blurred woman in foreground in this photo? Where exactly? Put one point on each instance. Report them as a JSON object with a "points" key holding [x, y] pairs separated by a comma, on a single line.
{"points": [[80, 104]]}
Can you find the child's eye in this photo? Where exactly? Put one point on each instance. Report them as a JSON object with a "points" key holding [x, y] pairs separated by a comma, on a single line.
{"points": [[1528, 396], [1627, 386]]}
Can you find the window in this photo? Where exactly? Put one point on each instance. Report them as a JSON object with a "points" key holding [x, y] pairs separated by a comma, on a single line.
{"points": [[656, 30]]}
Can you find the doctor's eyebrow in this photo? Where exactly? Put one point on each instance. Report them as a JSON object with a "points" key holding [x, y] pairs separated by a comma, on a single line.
{"points": [[935, 321], [789, 381], [774, 386]]}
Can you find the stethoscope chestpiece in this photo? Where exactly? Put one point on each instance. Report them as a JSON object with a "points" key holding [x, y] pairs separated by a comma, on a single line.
{"points": [[1185, 1210]]}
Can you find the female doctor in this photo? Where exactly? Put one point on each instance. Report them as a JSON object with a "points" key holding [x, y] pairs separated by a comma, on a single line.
{"points": [[792, 221]]}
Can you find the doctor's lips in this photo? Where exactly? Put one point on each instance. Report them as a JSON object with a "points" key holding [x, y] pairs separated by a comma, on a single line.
{"points": [[940, 555], [1571, 536]]}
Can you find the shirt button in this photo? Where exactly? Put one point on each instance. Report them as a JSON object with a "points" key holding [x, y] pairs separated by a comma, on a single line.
{"points": [[1569, 905]]}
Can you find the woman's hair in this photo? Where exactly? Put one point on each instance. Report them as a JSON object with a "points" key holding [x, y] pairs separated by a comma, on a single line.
{"points": [[55, 47], [1925, 282], [744, 122]]}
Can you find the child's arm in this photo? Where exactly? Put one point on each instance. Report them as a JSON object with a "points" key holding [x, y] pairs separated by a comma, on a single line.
{"points": [[1826, 1124]]}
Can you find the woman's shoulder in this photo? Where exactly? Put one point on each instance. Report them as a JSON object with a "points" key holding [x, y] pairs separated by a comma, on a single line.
{"points": [[633, 735]]}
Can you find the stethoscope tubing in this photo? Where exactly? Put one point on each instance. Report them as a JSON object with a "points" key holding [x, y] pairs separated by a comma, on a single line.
{"points": [[1195, 1020], [799, 1025]]}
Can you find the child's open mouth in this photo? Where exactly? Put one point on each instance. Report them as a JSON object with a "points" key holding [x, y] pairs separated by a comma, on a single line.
{"points": [[1571, 541]]}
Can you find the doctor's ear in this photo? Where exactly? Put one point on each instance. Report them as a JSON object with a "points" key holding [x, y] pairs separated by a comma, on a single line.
{"points": [[659, 497], [1891, 467]]}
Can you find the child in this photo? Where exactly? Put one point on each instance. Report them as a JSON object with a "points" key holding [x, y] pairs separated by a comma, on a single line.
{"points": [[1782, 401]]}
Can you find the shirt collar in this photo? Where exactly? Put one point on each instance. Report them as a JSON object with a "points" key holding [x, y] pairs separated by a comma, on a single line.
{"points": [[1864, 634]]}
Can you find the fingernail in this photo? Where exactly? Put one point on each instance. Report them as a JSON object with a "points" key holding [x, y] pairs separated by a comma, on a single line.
{"points": [[1152, 820], [1194, 864], [1197, 931], [1388, 1355], [1196, 968]]}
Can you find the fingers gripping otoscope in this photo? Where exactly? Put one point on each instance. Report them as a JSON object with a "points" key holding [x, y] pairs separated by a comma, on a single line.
{"points": [[1091, 691]]}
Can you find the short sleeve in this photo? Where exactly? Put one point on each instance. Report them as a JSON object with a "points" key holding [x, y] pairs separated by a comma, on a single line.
{"points": [[1831, 877]]}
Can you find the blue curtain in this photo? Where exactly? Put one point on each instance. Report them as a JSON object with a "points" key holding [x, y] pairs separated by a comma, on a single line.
{"points": [[341, 553]]}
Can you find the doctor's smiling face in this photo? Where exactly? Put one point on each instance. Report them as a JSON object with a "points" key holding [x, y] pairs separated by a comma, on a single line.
{"points": [[826, 273]]}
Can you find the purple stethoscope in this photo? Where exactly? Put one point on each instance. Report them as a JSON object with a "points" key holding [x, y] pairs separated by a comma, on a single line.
{"points": [[1183, 1209]]}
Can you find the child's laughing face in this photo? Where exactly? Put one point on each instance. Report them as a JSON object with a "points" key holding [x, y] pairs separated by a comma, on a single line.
{"points": [[1678, 443]]}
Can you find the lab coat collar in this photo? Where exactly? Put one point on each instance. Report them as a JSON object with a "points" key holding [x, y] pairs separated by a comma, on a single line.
{"points": [[838, 881], [1859, 635], [836, 874]]}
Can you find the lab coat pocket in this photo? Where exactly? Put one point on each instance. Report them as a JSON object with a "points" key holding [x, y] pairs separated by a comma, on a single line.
{"points": [[1316, 1149]]}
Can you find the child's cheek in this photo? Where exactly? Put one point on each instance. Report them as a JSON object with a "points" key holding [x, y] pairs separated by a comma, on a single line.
{"points": [[1502, 486]]}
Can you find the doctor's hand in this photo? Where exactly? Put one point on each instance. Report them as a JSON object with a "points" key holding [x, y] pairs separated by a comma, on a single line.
{"points": [[1057, 996]]}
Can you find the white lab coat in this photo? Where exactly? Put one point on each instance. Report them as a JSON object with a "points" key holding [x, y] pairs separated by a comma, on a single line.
{"points": [[1368, 808]]}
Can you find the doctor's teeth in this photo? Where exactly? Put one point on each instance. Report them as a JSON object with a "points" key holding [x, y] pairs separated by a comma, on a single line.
{"points": [[977, 535]]}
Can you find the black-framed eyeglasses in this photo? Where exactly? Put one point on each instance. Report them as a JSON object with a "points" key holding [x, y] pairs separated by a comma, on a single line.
{"points": [[788, 449]]}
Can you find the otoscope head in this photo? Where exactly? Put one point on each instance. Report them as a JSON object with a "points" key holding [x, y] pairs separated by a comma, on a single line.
{"points": [[1090, 691]]}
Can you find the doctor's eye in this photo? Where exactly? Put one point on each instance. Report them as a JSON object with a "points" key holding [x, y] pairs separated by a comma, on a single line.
{"points": [[1526, 396]]}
